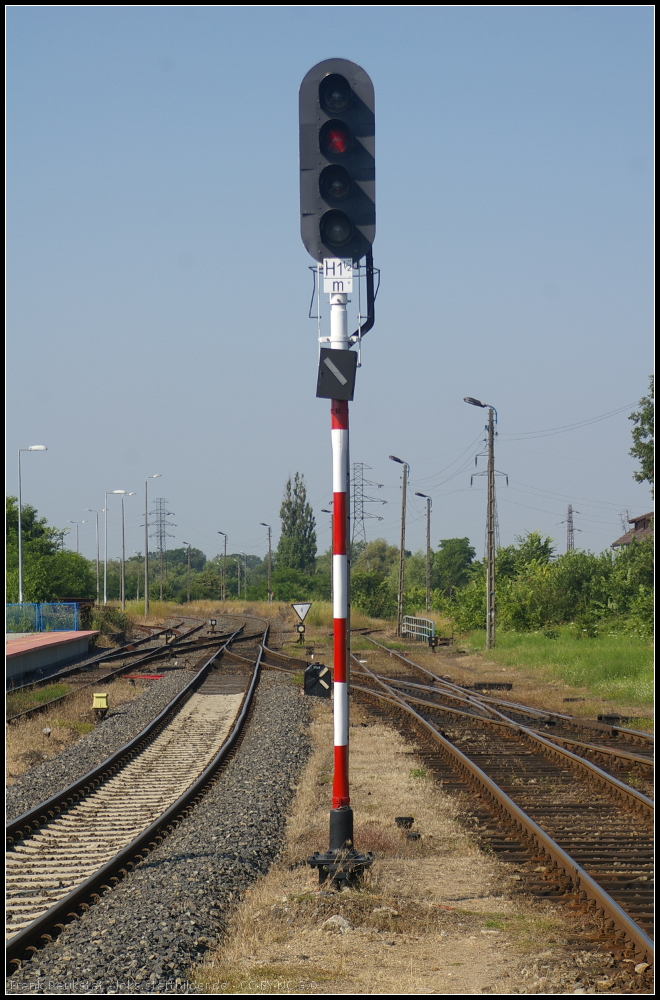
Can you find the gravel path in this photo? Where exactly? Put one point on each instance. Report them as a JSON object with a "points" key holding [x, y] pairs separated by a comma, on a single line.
{"points": [[144, 936], [119, 726]]}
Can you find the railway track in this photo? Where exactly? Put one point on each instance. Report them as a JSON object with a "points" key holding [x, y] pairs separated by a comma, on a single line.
{"points": [[108, 666], [63, 854], [587, 833]]}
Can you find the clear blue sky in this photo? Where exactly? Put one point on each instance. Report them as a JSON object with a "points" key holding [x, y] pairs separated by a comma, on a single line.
{"points": [[158, 289]]}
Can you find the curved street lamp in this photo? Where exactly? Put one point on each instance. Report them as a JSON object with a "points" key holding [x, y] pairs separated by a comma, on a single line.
{"points": [[123, 553], [33, 447], [490, 521], [224, 569], [402, 554], [98, 584], [270, 560], [108, 493]]}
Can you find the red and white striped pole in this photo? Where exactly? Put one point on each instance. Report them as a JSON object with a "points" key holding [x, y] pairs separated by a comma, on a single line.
{"points": [[341, 815]]}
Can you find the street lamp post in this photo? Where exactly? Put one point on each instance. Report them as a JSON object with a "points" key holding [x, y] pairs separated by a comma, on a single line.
{"points": [[188, 544], [429, 504], [238, 586], [77, 539], [157, 475], [98, 576], [270, 561], [224, 570], [33, 447], [245, 574], [402, 554], [139, 555], [490, 522], [123, 554], [108, 493]]}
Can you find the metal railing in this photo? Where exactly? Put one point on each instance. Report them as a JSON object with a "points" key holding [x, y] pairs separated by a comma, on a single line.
{"points": [[55, 617], [418, 628]]}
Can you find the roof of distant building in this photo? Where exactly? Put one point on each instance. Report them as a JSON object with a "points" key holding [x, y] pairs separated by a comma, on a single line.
{"points": [[643, 528]]}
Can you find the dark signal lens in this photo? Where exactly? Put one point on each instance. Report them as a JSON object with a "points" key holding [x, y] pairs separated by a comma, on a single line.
{"points": [[335, 94], [336, 229], [335, 138], [335, 183]]}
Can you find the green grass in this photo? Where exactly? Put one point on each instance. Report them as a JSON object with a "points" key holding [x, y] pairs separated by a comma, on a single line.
{"points": [[23, 700], [614, 667], [82, 728]]}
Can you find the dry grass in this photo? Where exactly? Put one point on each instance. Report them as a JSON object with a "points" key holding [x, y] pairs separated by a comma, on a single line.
{"points": [[432, 915], [162, 610], [28, 745]]}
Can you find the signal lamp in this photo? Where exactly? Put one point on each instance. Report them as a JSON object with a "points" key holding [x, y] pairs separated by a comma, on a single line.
{"points": [[335, 94], [335, 138], [335, 183], [336, 229]]}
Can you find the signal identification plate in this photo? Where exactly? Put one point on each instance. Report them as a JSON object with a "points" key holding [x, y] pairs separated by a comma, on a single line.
{"points": [[337, 274]]}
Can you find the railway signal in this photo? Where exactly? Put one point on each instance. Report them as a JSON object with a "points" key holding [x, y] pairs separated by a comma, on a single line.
{"points": [[337, 164], [338, 225]]}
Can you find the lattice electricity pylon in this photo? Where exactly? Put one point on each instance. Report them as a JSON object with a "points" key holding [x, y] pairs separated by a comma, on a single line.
{"points": [[570, 528], [161, 534], [359, 500]]}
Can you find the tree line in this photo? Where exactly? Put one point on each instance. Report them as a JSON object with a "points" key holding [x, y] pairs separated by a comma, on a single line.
{"points": [[536, 588]]}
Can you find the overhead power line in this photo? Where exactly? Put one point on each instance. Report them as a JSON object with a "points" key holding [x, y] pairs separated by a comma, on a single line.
{"points": [[530, 435]]}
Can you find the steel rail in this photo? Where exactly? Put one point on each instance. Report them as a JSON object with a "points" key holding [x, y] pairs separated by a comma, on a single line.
{"points": [[152, 654], [581, 879], [128, 649], [125, 860], [526, 709], [595, 748], [624, 755], [583, 882], [633, 797], [45, 811], [603, 748]]}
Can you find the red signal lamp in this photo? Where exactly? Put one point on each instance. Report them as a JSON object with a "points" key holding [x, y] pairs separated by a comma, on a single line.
{"points": [[335, 138]]}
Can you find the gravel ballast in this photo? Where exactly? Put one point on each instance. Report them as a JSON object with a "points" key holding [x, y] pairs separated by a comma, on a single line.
{"points": [[120, 725], [143, 937]]}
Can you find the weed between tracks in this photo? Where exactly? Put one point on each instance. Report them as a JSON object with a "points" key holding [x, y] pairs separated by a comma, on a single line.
{"points": [[32, 697], [28, 744], [433, 915]]}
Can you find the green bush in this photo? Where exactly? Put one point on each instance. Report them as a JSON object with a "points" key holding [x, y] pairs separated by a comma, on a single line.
{"points": [[108, 619], [371, 594], [596, 593]]}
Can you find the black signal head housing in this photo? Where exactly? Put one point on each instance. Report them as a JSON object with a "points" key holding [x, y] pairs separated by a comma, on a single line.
{"points": [[337, 161]]}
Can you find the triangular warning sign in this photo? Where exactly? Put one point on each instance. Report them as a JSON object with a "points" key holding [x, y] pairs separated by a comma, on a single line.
{"points": [[301, 610]]}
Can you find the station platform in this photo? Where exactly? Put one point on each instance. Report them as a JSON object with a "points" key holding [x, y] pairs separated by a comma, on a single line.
{"points": [[38, 654]]}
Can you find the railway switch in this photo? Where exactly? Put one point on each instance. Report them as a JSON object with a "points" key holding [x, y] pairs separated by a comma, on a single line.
{"points": [[317, 680], [100, 705]]}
